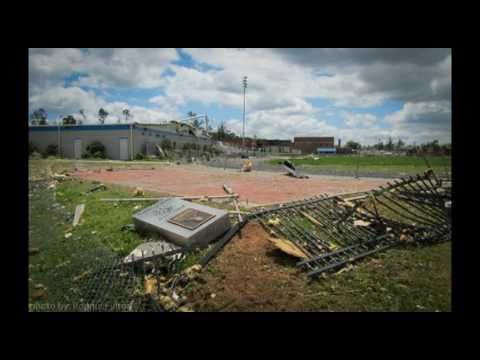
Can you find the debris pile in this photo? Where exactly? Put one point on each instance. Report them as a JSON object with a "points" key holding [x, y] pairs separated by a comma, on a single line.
{"points": [[333, 231]]}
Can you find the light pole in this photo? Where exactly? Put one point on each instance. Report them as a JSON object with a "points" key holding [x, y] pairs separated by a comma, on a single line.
{"points": [[59, 121], [244, 90]]}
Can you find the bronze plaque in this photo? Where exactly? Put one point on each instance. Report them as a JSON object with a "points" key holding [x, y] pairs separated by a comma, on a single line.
{"points": [[191, 218]]}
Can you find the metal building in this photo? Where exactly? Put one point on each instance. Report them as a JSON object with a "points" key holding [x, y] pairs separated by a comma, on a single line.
{"points": [[121, 141]]}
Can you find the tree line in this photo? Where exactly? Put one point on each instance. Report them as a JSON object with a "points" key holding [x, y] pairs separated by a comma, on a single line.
{"points": [[427, 147], [40, 117]]}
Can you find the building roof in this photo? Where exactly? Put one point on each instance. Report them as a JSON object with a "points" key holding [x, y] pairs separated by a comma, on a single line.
{"points": [[86, 127], [313, 138]]}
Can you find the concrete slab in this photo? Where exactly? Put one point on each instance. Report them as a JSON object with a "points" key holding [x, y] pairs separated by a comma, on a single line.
{"points": [[182, 222]]}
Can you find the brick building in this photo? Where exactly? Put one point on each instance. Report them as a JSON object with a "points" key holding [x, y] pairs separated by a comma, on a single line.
{"points": [[308, 145]]}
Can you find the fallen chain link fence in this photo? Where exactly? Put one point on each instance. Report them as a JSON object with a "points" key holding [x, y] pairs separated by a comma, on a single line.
{"points": [[329, 232]]}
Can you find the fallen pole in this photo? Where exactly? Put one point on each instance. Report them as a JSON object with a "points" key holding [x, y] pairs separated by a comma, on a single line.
{"points": [[181, 197], [229, 191], [78, 213]]}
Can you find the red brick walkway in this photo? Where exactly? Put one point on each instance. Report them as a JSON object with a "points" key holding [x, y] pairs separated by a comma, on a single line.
{"points": [[256, 187]]}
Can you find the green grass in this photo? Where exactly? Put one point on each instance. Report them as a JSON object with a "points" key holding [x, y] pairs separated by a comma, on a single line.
{"points": [[381, 164], [402, 279], [99, 235]]}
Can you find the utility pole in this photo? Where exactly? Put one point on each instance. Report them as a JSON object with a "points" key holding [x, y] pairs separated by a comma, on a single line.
{"points": [[244, 90]]}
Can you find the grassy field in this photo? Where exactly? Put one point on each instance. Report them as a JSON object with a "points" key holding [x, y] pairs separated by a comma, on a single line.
{"points": [[414, 279], [370, 164]]}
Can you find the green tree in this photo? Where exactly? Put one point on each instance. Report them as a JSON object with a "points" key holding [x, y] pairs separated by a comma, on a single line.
{"points": [[127, 114], [102, 115], [400, 144], [69, 120], [82, 112], [389, 144], [39, 117], [353, 145]]}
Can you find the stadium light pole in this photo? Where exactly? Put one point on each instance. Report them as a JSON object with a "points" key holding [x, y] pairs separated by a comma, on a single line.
{"points": [[244, 91]]}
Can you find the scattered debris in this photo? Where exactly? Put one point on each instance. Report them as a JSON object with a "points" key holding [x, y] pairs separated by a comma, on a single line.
{"points": [[33, 251], [409, 210], [67, 235], [153, 249], [192, 271], [109, 169], [151, 285], [82, 275], [167, 302], [201, 198], [361, 223], [160, 151], [127, 227], [247, 165], [78, 213], [291, 170], [97, 188], [229, 191], [288, 247], [59, 177], [138, 192], [39, 294]]}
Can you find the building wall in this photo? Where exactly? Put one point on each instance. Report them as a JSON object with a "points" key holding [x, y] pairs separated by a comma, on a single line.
{"points": [[109, 136], [309, 145]]}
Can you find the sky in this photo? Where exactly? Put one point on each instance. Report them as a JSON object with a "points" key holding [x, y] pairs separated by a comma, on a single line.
{"points": [[364, 95]]}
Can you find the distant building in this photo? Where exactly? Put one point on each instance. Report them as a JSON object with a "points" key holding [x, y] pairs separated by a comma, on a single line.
{"points": [[326, 150], [121, 141], [309, 145]]}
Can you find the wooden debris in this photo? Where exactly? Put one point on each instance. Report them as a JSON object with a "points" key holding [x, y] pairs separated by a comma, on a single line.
{"points": [[150, 285], [167, 302], [138, 192], [33, 251], [82, 275], [361, 223], [273, 221], [39, 294], [312, 219], [229, 191], [288, 247], [78, 213], [182, 197], [96, 188], [247, 165]]}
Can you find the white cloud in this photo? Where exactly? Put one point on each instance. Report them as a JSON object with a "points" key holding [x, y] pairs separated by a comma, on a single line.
{"points": [[282, 87], [103, 68], [359, 119], [70, 100], [433, 113]]}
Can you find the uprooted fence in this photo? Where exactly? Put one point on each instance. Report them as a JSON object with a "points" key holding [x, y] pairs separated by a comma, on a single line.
{"points": [[332, 231]]}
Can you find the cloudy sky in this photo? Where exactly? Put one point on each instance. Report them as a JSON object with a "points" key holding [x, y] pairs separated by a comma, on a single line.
{"points": [[353, 94]]}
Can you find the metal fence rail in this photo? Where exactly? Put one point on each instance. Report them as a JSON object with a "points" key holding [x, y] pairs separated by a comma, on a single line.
{"points": [[333, 231]]}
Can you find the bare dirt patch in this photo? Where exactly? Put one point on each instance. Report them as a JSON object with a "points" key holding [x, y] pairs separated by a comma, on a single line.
{"points": [[257, 187], [250, 274]]}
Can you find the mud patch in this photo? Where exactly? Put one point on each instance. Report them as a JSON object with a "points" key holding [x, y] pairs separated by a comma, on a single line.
{"points": [[250, 274]]}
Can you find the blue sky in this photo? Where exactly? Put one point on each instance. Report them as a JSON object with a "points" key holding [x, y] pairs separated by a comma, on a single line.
{"points": [[353, 94]]}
